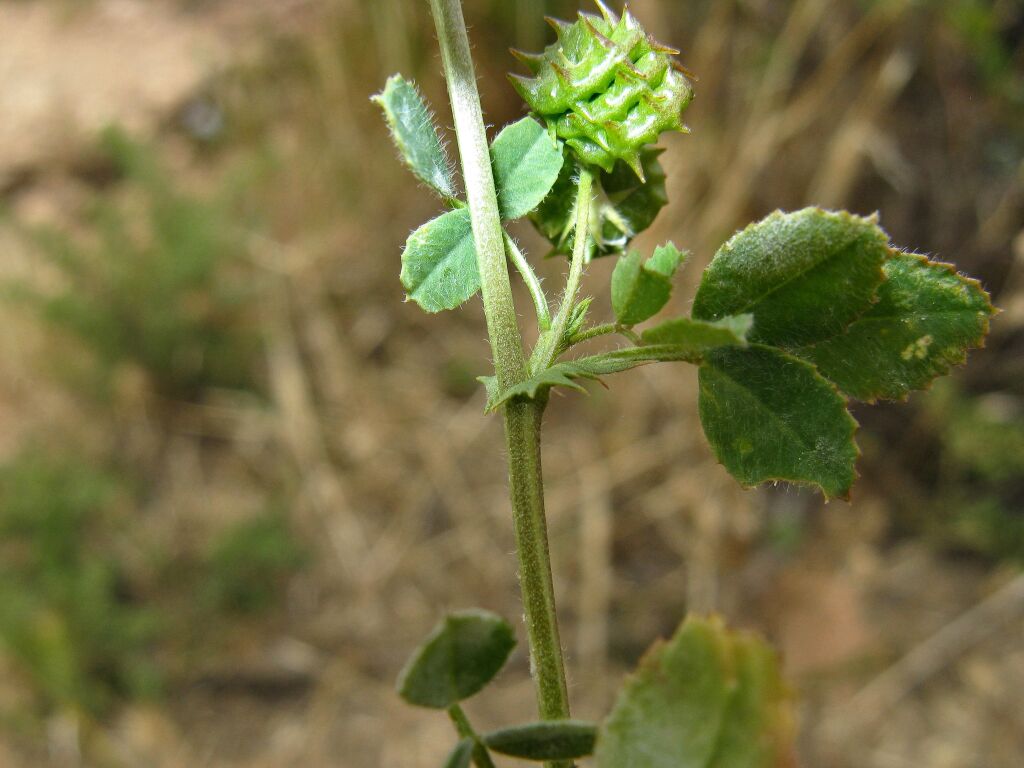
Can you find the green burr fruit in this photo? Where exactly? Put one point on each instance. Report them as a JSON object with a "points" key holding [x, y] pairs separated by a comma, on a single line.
{"points": [[606, 88]]}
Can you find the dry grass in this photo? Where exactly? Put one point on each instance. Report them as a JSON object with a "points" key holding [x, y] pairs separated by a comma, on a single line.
{"points": [[371, 421]]}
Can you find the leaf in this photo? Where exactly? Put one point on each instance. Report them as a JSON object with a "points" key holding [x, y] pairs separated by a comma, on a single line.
{"points": [[708, 698], [623, 205], [804, 276], [463, 653], [759, 723], [700, 335], [771, 416], [639, 291], [439, 267], [687, 345], [547, 740], [526, 162], [460, 756], [412, 129], [926, 318]]}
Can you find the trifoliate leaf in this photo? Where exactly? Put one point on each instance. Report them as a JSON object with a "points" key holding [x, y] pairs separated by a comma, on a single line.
{"points": [[623, 206], [412, 128], [463, 653], [926, 318], [804, 276], [708, 698], [546, 740], [640, 290], [689, 341], [461, 755], [526, 162], [771, 416], [439, 262]]}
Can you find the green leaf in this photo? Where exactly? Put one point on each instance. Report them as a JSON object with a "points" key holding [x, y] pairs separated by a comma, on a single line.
{"points": [[412, 128], [439, 268], [771, 416], [700, 335], [708, 698], [639, 291], [759, 723], [526, 162], [623, 205], [463, 653], [689, 342], [460, 756], [547, 740], [926, 318], [804, 276]]}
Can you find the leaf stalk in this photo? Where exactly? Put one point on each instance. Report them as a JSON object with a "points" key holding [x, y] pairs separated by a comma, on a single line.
{"points": [[540, 301], [481, 757], [550, 344]]}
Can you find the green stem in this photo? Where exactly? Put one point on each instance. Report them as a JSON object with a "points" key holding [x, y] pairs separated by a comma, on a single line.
{"points": [[540, 301], [506, 343], [550, 344], [522, 417], [522, 441], [481, 757]]}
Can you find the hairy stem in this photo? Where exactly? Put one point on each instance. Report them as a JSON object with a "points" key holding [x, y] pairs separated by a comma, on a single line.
{"points": [[540, 301], [522, 439], [506, 343], [481, 757], [522, 418], [550, 344]]}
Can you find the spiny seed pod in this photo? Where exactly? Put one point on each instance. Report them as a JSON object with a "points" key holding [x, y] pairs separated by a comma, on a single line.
{"points": [[606, 88]]}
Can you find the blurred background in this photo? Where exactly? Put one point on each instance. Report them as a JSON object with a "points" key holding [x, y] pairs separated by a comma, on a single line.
{"points": [[240, 478]]}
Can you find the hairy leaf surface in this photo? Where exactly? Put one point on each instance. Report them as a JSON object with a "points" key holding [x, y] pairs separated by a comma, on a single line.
{"points": [[463, 653], [640, 289], [413, 131], [439, 268], [526, 163], [546, 740], [771, 416], [804, 276], [708, 698], [926, 318]]}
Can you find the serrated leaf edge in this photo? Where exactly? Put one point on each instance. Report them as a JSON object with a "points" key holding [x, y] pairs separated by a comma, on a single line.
{"points": [[778, 213], [958, 362], [650, 660]]}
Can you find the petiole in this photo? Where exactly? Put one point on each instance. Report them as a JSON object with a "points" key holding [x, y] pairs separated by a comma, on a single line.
{"points": [[540, 301]]}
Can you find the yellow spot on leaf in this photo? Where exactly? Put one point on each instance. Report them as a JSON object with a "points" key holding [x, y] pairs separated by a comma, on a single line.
{"points": [[918, 349]]}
